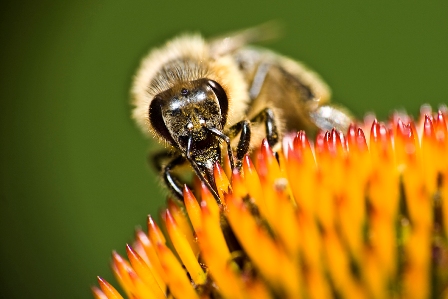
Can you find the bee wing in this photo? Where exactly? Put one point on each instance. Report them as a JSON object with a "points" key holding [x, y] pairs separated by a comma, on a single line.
{"points": [[233, 41]]}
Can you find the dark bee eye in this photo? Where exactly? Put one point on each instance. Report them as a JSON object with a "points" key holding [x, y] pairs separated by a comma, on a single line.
{"points": [[156, 119], [222, 99], [184, 91]]}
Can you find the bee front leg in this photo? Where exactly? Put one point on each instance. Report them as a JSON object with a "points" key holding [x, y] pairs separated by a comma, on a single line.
{"points": [[171, 181], [267, 117], [242, 148]]}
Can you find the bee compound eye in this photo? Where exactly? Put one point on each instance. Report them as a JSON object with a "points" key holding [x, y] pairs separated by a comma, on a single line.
{"points": [[156, 119], [222, 98], [184, 91]]}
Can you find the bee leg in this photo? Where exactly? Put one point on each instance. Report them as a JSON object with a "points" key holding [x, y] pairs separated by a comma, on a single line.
{"points": [[327, 117], [268, 118], [242, 148], [171, 181]]}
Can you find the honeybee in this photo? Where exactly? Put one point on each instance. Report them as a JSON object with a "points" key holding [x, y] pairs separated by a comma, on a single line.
{"points": [[200, 97]]}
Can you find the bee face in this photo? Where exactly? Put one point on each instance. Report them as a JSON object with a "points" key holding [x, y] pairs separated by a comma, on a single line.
{"points": [[185, 113]]}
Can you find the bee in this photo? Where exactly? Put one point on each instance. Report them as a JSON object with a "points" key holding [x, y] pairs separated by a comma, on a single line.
{"points": [[201, 97]]}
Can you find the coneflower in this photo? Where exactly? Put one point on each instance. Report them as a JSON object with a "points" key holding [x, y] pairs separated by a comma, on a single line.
{"points": [[361, 215]]}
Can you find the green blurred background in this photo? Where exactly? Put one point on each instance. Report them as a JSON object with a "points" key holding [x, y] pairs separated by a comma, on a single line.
{"points": [[74, 179]]}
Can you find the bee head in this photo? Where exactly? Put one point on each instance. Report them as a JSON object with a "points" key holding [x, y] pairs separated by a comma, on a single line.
{"points": [[187, 111]]}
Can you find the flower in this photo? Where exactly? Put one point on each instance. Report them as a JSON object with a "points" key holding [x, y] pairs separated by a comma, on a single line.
{"points": [[361, 215]]}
